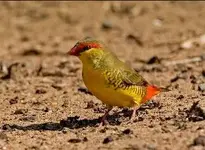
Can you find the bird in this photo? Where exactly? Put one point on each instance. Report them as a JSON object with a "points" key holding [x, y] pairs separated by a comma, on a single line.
{"points": [[111, 80]]}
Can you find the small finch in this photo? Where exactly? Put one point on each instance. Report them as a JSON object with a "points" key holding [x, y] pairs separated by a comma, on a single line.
{"points": [[111, 80]]}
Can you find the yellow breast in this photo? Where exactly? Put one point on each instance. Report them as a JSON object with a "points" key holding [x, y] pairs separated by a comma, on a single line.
{"points": [[96, 84]]}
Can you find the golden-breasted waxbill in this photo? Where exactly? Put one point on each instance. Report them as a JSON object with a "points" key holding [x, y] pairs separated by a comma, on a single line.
{"points": [[109, 79]]}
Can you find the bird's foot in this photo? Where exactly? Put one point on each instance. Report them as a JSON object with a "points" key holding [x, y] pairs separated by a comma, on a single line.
{"points": [[104, 118], [103, 123], [133, 117], [132, 120]]}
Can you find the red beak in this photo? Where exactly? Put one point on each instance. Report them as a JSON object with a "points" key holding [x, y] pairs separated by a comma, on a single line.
{"points": [[73, 51]]}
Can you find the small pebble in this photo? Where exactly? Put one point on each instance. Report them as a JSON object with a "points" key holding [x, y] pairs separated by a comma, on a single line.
{"points": [[103, 130], [90, 104], [64, 131], [203, 73], [57, 86], [187, 44], [31, 51], [174, 79], [202, 87], [157, 22], [85, 139], [127, 131], [202, 39], [150, 146], [107, 25], [6, 127], [180, 97], [107, 140], [74, 140], [24, 39], [40, 91], [200, 140], [154, 60], [13, 101], [84, 90], [21, 111], [136, 39]]}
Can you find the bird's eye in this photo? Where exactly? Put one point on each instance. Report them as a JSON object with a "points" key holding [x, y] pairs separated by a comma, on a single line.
{"points": [[86, 48]]}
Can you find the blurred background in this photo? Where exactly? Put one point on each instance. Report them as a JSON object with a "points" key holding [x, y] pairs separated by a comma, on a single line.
{"points": [[40, 85], [134, 26]]}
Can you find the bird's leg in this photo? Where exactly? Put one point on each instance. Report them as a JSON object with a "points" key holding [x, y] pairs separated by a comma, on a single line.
{"points": [[104, 117], [134, 113]]}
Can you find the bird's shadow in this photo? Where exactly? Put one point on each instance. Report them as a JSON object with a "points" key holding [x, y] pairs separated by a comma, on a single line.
{"points": [[76, 123], [71, 123]]}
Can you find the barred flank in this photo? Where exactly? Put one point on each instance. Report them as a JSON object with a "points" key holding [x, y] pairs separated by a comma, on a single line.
{"points": [[115, 80]]}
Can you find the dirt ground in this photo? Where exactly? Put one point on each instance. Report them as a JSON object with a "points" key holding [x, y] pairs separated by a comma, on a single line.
{"points": [[44, 103]]}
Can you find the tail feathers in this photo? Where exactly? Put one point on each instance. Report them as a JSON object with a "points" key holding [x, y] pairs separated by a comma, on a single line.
{"points": [[151, 91]]}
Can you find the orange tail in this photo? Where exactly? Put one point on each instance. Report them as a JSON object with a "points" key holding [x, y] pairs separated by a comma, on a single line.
{"points": [[151, 91]]}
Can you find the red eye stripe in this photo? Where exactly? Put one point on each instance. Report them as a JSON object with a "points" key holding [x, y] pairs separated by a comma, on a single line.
{"points": [[94, 45], [78, 48]]}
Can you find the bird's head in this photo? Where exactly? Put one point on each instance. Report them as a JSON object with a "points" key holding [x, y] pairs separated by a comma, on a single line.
{"points": [[84, 46]]}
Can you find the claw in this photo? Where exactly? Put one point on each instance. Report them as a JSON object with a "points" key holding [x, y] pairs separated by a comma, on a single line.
{"points": [[104, 117]]}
